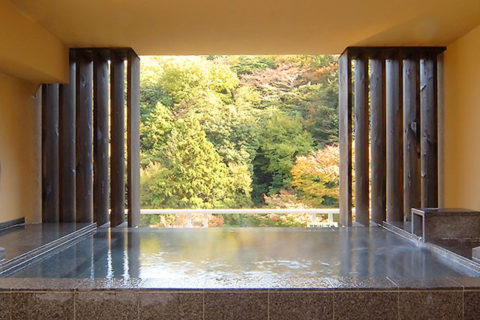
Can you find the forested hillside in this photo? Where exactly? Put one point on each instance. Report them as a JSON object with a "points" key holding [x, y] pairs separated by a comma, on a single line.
{"points": [[239, 131]]}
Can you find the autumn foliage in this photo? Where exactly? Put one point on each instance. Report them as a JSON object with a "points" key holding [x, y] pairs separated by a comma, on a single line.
{"points": [[316, 177]]}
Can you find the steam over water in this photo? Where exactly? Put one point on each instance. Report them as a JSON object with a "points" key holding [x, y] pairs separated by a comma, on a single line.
{"points": [[244, 257]]}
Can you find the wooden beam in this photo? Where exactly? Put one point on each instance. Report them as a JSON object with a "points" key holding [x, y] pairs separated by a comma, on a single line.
{"points": [[50, 170], [67, 147], [361, 142], [429, 135], [345, 138], [84, 139], [399, 52], [133, 139], [411, 145], [101, 139], [394, 142], [117, 166], [378, 140]]}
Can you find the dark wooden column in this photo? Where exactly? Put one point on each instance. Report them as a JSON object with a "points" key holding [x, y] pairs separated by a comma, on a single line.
{"points": [[394, 142], [378, 147], [84, 139], [345, 138], [361, 142], [428, 141], [67, 147], [133, 140], [50, 176], [101, 138], [411, 145], [117, 165]]}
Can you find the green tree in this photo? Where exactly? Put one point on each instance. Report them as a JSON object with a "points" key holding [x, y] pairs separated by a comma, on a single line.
{"points": [[231, 128], [155, 133], [151, 91], [282, 139], [196, 175], [192, 174], [249, 64], [218, 131], [187, 77]]}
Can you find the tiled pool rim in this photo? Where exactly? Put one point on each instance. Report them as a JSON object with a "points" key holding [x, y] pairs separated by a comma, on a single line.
{"points": [[332, 298]]}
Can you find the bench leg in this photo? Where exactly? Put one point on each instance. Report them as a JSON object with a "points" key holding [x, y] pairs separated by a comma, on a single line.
{"points": [[417, 225]]}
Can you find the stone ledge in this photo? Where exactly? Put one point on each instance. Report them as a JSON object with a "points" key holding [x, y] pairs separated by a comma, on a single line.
{"points": [[343, 303]]}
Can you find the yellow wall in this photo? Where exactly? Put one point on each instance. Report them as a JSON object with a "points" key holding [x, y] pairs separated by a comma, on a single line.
{"points": [[461, 150], [29, 54], [20, 184], [28, 50]]}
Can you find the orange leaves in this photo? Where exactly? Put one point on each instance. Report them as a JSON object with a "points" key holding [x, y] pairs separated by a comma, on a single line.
{"points": [[317, 176]]}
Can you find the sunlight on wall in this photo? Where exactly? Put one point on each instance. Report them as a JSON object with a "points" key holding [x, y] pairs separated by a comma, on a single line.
{"points": [[20, 139], [462, 129]]}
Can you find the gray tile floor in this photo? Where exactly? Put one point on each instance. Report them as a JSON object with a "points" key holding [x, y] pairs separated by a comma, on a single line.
{"points": [[24, 238], [244, 257]]}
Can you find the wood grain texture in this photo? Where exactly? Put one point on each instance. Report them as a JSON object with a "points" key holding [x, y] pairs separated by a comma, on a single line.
{"points": [[50, 155], [117, 165], [133, 139], [429, 134], [101, 139], [345, 139], [411, 130], [378, 140], [67, 147], [394, 141], [362, 177], [84, 139]]}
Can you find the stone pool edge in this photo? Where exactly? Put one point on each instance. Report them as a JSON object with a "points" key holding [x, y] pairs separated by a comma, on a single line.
{"points": [[336, 298]]}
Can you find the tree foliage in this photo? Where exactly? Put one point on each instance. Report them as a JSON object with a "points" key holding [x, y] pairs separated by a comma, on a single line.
{"points": [[228, 131], [282, 139], [193, 174]]}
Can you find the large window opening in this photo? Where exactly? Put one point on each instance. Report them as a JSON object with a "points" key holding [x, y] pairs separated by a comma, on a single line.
{"points": [[239, 132]]}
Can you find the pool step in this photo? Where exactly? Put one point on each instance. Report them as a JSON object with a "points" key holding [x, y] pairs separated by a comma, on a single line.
{"points": [[20, 261], [11, 223], [473, 264], [400, 231]]}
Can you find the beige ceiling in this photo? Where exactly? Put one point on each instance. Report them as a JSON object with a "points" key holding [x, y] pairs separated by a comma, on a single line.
{"points": [[251, 26]]}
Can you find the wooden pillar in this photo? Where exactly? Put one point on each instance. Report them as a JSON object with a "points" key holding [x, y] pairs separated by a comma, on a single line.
{"points": [[378, 147], [394, 142], [67, 147], [411, 143], [101, 138], [133, 139], [84, 139], [345, 138], [117, 165], [361, 142], [50, 175], [428, 141]]}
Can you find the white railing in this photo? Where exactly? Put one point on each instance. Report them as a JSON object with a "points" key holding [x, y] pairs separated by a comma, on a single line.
{"points": [[314, 212]]}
